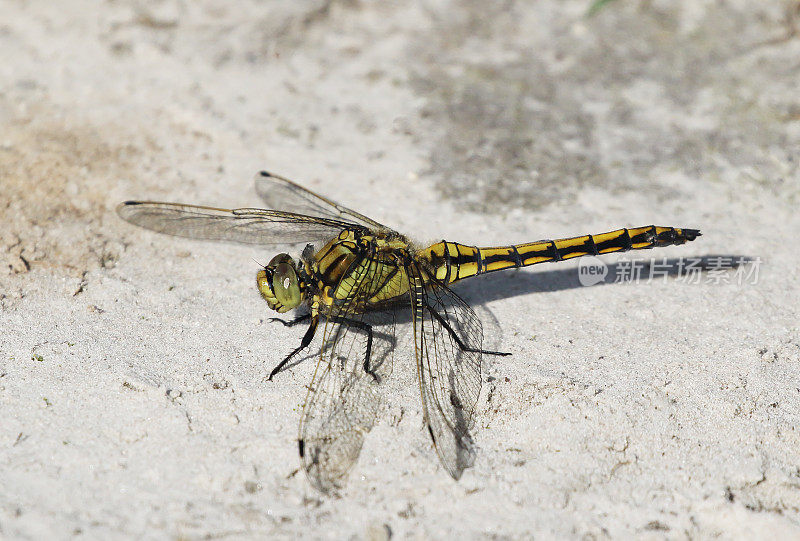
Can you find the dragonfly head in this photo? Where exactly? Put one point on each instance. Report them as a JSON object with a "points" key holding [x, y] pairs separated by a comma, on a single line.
{"points": [[278, 283]]}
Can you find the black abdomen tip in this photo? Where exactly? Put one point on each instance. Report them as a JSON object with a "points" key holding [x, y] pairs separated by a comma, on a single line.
{"points": [[265, 174], [691, 234]]}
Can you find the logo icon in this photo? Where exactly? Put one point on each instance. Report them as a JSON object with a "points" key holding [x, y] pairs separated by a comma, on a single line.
{"points": [[591, 271]]}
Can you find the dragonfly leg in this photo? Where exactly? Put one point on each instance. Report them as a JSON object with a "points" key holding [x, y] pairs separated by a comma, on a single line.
{"points": [[292, 323], [461, 345], [360, 325], [312, 328]]}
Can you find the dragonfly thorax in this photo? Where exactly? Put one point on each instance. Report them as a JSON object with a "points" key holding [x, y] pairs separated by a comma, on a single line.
{"points": [[280, 284]]}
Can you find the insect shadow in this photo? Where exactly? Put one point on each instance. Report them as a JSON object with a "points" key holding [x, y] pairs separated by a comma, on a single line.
{"points": [[487, 288]]}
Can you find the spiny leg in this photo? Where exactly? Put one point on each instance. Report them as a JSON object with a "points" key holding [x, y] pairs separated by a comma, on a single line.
{"points": [[461, 345], [312, 328], [292, 323], [360, 325]]}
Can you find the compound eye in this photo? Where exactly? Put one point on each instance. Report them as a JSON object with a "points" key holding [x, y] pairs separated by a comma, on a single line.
{"points": [[285, 272], [285, 285]]}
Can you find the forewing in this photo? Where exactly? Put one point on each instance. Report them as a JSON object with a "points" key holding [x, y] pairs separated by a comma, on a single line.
{"points": [[281, 193], [343, 401], [245, 225], [445, 331]]}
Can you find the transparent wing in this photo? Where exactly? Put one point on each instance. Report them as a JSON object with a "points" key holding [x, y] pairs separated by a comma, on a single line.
{"points": [[343, 401], [281, 193], [448, 337], [245, 225]]}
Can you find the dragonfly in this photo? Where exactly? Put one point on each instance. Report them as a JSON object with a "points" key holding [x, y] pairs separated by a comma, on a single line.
{"points": [[351, 280]]}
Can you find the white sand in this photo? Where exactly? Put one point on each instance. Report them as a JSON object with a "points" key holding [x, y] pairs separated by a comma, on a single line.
{"points": [[132, 400]]}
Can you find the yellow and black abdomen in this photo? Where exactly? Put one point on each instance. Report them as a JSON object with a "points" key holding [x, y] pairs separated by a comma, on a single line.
{"points": [[452, 261]]}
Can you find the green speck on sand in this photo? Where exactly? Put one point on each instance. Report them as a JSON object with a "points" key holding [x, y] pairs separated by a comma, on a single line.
{"points": [[596, 6]]}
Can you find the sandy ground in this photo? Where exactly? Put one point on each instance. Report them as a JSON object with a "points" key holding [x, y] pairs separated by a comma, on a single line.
{"points": [[132, 400]]}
